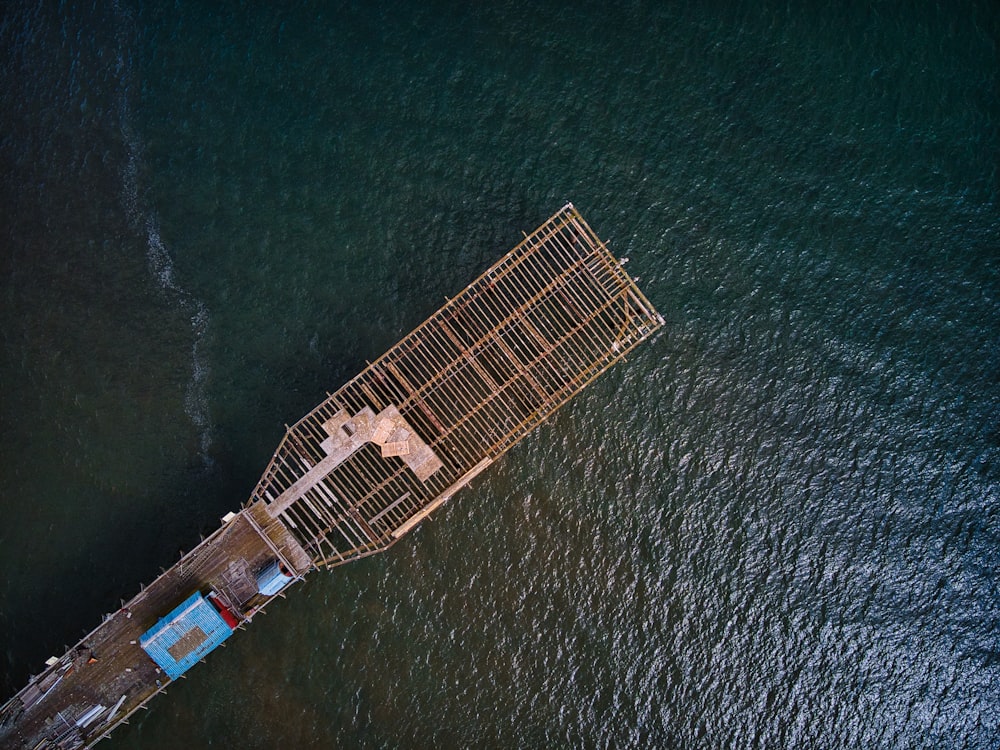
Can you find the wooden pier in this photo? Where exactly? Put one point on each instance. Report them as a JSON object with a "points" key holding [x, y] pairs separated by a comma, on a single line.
{"points": [[367, 465]]}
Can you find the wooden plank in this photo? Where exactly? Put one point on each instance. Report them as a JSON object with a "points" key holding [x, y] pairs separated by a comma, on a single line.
{"points": [[442, 498]]}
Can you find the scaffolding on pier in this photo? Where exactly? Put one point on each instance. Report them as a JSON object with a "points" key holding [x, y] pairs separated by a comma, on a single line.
{"points": [[397, 441]]}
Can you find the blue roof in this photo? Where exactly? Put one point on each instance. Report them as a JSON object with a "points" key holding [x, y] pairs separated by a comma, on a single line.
{"points": [[183, 638], [272, 579]]}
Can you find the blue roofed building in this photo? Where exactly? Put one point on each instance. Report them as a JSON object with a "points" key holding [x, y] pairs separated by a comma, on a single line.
{"points": [[185, 636]]}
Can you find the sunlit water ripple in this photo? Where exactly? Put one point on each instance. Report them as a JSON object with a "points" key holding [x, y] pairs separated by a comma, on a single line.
{"points": [[776, 525]]}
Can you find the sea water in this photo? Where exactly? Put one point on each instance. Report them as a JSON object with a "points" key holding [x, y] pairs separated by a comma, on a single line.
{"points": [[776, 525]]}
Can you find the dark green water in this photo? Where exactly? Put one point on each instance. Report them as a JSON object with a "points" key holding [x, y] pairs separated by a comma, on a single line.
{"points": [[776, 526]]}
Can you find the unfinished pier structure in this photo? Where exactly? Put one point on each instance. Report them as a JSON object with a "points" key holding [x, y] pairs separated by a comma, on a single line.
{"points": [[360, 470]]}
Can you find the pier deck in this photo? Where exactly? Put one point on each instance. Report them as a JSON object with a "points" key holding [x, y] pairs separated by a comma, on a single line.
{"points": [[108, 665], [370, 462]]}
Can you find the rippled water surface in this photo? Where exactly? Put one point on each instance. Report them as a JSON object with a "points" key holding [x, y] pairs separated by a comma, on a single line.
{"points": [[776, 525]]}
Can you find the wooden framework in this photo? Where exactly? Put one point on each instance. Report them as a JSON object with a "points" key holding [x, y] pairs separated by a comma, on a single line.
{"points": [[460, 390]]}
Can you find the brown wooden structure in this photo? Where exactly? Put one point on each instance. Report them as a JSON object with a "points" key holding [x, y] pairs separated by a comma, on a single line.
{"points": [[372, 460]]}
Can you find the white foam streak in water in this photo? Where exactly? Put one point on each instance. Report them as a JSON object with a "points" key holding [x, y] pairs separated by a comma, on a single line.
{"points": [[196, 398], [161, 264]]}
